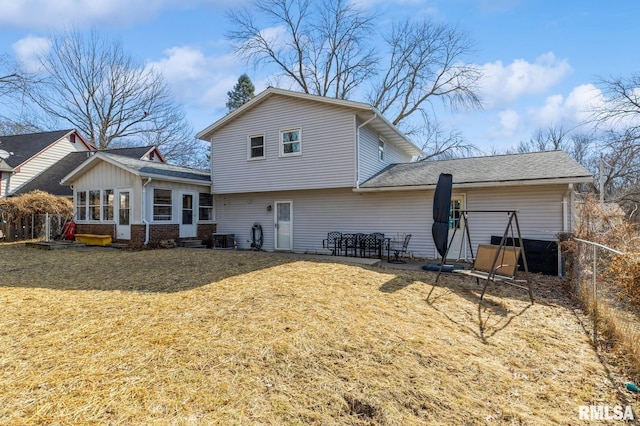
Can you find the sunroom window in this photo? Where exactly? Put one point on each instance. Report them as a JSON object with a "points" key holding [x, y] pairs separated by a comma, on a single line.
{"points": [[81, 205], [107, 204], [205, 209], [94, 205], [162, 204]]}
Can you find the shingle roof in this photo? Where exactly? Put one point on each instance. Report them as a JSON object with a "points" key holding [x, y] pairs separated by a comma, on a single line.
{"points": [[133, 152], [49, 180], [150, 169], [535, 167], [26, 146]]}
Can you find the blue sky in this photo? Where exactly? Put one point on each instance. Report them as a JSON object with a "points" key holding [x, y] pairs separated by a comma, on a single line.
{"points": [[541, 59]]}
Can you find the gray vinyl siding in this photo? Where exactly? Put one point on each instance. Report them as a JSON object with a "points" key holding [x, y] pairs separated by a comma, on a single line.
{"points": [[328, 148], [539, 213], [369, 162], [315, 213]]}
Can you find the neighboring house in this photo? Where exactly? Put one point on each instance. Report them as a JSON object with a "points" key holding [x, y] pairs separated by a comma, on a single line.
{"points": [[31, 154], [141, 202], [49, 179], [302, 165]]}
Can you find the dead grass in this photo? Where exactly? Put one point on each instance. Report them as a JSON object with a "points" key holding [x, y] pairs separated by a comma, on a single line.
{"points": [[210, 337]]}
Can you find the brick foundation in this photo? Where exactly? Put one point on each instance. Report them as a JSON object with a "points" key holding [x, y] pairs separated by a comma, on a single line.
{"points": [[97, 229], [205, 233], [157, 233]]}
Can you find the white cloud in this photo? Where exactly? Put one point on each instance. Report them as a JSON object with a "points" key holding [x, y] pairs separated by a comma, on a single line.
{"points": [[201, 82], [573, 110], [504, 84], [27, 50], [48, 14], [509, 122]]}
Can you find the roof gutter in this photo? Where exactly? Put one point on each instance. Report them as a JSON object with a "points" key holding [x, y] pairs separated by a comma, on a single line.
{"points": [[480, 184], [358, 149]]}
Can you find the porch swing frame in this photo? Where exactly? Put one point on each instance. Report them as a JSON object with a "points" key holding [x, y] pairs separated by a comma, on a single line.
{"points": [[493, 271]]}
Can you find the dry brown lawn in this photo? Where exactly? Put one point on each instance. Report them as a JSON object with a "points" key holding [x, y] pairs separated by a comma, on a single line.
{"points": [[233, 338]]}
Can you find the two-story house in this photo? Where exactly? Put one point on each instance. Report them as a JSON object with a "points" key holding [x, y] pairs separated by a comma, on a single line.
{"points": [[29, 155], [302, 165]]}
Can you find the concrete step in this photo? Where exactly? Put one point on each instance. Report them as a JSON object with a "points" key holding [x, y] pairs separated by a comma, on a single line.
{"points": [[191, 244]]}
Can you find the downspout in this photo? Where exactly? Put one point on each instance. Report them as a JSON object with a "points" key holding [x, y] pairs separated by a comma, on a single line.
{"points": [[358, 148], [144, 211], [565, 223], [565, 208]]}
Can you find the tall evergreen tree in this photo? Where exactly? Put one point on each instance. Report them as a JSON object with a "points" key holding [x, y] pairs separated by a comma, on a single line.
{"points": [[242, 92]]}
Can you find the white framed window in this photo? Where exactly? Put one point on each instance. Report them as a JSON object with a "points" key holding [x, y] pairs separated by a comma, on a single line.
{"points": [[205, 207], [108, 199], [256, 147], [380, 149], [81, 205], [94, 205], [162, 204], [290, 142]]}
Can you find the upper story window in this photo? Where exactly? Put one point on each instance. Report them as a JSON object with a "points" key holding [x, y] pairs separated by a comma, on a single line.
{"points": [[256, 147], [380, 149], [290, 142], [162, 204]]}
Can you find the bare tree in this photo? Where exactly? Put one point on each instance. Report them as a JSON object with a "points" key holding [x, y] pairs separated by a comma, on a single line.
{"points": [[425, 63], [322, 51], [8, 127], [328, 48], [621, 108], [549, 139], [12, 80], [439, 144], [92, 84], [618, 121]]}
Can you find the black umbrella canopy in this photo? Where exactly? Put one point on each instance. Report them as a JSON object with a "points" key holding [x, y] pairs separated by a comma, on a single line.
{"points": [[441, 206]]}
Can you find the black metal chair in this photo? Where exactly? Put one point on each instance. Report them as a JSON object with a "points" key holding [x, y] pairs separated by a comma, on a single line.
{"points": [[375, 244], [350, 244], [333, 242]]}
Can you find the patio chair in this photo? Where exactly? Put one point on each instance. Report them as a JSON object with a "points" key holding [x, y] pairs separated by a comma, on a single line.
{"points": [[333, 242], [375, 244], [400, 250], [350, 244]]}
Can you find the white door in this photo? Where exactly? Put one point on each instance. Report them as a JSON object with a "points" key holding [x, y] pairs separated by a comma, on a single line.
{"points": [[283, 225], [188, 221], [457, 242], [123, 228]]}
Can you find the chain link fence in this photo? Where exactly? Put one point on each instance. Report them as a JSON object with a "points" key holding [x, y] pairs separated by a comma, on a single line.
{"points": [[596, 280], [33, 227]]}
